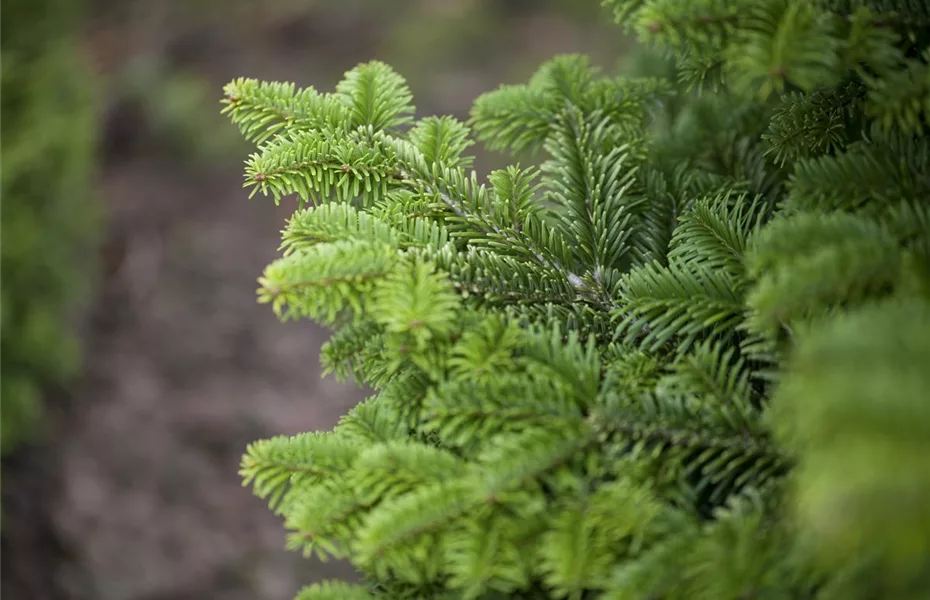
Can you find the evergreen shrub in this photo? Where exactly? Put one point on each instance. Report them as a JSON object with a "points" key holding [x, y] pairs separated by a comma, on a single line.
{"points": [[684, 356], [48, 225]]}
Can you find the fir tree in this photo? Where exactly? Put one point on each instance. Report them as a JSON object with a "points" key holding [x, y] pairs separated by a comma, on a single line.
{"points": [[687, 355]]}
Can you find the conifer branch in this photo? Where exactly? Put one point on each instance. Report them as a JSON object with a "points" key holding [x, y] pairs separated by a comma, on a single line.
{"points": [[618, 375]]}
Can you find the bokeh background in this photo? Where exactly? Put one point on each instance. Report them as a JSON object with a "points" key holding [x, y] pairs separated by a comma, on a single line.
{"points": [[121, 482]]}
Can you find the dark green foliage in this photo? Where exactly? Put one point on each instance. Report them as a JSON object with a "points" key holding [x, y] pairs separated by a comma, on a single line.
{"points": [[685, 356], [48, 223]]}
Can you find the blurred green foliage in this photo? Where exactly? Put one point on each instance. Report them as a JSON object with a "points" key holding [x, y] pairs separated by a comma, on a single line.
{"points": [[48, 219], [180, 113]]}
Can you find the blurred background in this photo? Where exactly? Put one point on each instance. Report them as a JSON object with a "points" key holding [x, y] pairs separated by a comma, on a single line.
{"points": [[136, 364]]}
